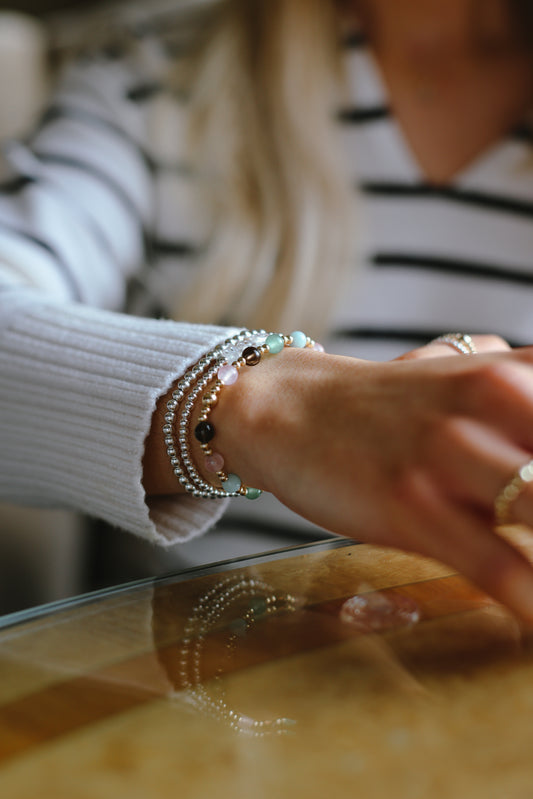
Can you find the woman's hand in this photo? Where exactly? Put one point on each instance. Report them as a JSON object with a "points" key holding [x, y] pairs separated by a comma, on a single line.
{"points": [[409, 454]]}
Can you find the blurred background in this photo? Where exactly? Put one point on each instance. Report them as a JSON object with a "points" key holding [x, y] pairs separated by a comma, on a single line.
{"points": [[48, 555]]}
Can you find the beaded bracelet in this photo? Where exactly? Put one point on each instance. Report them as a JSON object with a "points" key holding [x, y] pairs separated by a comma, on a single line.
{"points": [[202, 369], [227, 375], [190, 478], [213, 612]]}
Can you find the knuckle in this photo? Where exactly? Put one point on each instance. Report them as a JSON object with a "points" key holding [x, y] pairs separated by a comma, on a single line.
{"points": [[491, 341], [482, 383], [448, 430]]}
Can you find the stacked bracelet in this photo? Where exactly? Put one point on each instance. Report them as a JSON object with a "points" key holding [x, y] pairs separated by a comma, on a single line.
{"points": [[178, 450], [227, 375], [222, 365]]}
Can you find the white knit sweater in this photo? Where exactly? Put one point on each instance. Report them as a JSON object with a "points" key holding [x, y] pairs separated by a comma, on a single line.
{"points": [[79, 381]]}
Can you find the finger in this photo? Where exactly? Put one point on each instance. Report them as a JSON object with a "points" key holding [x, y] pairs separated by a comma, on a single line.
{"points": [[439, 349], [499, 393], [472, 463], [461, 538]]}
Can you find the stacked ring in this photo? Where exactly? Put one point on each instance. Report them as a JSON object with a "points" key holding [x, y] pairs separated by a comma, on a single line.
{"points": [[462, 342]]}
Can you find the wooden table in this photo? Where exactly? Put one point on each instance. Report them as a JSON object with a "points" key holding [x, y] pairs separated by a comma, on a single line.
{"points": [[242, 680]]}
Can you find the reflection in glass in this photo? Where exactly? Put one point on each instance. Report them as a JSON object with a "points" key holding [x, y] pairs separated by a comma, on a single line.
{"points": [[377, 611], [214, 632]]}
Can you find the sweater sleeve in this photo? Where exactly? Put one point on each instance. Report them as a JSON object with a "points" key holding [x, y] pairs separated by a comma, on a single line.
{"points": [[78, 379]]}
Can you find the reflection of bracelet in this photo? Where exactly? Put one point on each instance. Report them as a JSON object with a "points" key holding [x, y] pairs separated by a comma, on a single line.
{"points": [[227, 375], [207, 617]]}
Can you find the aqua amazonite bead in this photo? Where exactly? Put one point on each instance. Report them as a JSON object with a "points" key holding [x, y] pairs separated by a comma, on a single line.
{"points": [[253, 493], [274, 343], [299, 339], [258, 605], [232, 484]]}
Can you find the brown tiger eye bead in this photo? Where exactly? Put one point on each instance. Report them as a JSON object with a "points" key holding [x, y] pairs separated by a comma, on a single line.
{"points": [[251, 355]]}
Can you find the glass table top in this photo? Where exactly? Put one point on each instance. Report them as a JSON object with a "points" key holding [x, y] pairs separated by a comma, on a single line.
{"points": [[38, 611], [329, 669]]}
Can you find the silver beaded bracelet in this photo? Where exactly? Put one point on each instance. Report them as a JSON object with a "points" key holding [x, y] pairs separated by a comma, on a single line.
{"points": [[178, 451], [222, 363]]}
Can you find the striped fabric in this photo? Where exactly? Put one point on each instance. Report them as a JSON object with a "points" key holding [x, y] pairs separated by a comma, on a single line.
{"points": [[98, 214], [456, 257]]}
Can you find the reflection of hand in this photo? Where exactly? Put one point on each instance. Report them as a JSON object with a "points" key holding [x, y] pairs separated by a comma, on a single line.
{"points": [[438, 349], [408, 454]]}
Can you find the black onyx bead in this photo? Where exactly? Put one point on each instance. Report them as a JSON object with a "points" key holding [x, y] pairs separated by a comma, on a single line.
{"points": [[251, 355], [204, 432]]}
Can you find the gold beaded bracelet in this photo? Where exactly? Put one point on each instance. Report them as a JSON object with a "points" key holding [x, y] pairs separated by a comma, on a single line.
{"points": [[227, 375]]}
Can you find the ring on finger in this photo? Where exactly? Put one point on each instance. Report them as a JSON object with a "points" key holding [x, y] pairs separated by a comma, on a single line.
{"points": [[462, 342], [510, 493]]}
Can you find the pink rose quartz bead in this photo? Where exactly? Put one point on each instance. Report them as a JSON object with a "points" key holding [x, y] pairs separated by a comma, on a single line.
{"points": [[228, 374], [214, 462], [318, 347]]}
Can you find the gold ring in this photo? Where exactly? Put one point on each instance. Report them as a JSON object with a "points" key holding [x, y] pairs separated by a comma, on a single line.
{"points": [[462, 342], [510, 493]]}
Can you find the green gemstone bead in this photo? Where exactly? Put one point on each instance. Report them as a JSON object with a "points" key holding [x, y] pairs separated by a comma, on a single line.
{"points": [[253, 493], [232, 484], [299, 339], [258, 605], [274, 343]]}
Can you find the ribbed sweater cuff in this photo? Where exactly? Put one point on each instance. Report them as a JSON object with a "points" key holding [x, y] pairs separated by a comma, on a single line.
{"points": [[78, 387]]}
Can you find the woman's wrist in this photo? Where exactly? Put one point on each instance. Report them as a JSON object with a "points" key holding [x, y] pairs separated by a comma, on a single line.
{"points": [[263, 419], [176, 459]]}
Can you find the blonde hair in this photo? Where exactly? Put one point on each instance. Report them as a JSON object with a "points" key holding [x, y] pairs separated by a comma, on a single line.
{"points": [[264, 89]]}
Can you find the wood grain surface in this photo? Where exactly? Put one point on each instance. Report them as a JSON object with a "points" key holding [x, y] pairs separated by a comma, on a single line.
{"points": [[159, 691]]}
